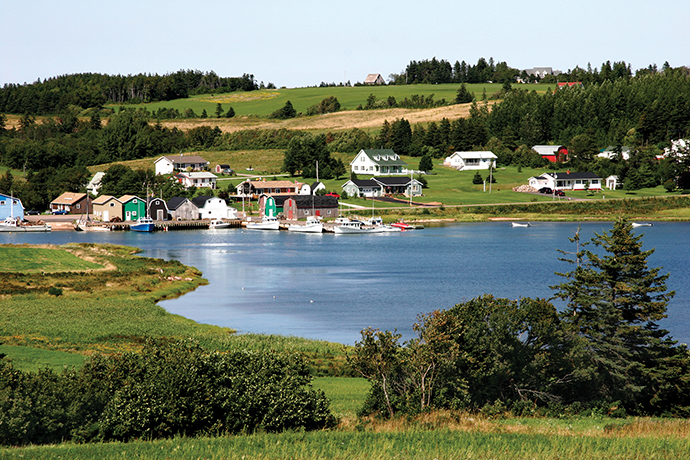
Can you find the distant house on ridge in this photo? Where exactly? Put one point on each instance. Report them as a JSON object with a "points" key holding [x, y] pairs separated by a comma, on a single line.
{"points": [[374, 79]]}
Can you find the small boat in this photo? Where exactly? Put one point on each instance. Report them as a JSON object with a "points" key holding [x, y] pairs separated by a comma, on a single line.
{"points": [[90, 226], [12, 224], [143, 224], [391, 229], [313, 225], [218, 223], [267, 223], [642, 224], [403, 225], [520, 224]]}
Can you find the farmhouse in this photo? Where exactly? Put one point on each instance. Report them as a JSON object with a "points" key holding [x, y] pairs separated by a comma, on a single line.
{"points": [[172, 163], [10, 207], [553, 153], [567, 181], [374, 79], [199, 179], [362, 187], [300, 206], [464, 161], [71, 203], [106, 208], [378, 162]]}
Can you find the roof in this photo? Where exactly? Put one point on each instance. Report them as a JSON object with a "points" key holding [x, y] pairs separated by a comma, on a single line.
{"points": [[547, 149], [176, 202], [126, 198], [278, 199], [386, 157], [103, 199], [372, 77], [575, 175], [200, 201], [224, 166], [198, 175], [273, 184], [305, 201], [363, 183], [69, 198], [393, 181], [183, 159], [481, 155]]}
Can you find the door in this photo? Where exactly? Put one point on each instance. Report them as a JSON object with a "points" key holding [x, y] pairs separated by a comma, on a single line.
{"points": [[106, 216], [128, 215], [159, 214]]}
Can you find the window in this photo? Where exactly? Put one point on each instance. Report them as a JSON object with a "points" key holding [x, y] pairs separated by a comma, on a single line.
{"points": [[595, 181], [112, 205]]}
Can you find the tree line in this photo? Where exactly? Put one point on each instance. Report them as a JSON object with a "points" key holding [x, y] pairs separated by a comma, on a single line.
{"points": [[603, 352], [91, 90]]}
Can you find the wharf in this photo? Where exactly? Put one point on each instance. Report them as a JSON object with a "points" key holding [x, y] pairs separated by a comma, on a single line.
{"points": [[171, 225]]}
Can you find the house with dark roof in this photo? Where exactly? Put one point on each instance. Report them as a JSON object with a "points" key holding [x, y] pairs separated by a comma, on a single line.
{"points": [[302, 206], [399, 186], [362, 188], [567, 181], [182, 209], [378, 162]]}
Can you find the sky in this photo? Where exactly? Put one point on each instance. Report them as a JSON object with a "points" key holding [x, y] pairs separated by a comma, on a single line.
{"points": [[304, 43]]}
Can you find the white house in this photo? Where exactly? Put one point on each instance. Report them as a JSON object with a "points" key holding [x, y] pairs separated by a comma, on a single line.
{"points": [[197, 179], [95, 183], [306, 189], [378, 162], [463, 161], [362, 188], [211, 207], [567, 181], [171, 163]]}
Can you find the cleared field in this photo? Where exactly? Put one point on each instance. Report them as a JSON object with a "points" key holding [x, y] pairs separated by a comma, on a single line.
{"points": [[15, 259]]}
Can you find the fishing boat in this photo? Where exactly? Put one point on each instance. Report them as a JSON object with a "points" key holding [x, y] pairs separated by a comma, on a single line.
{"points": [[90, 226], [13, 224], [267, 223], [355, 226], [520, 224], [642, 224], [143, 224], [218, 224], [312, 225], [403, 225]]}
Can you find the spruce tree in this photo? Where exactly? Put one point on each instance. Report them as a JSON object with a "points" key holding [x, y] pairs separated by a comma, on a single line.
{"points": [[613, 304]]}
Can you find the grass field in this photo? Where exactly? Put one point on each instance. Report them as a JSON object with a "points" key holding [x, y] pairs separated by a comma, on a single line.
{"points": [[263, 102], [29, 260]]}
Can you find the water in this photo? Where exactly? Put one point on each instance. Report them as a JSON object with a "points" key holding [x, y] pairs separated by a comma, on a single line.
{"points": [[332, 286]]}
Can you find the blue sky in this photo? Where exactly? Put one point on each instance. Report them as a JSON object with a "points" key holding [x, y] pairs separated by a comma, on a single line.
{"points": [[306, 42]]}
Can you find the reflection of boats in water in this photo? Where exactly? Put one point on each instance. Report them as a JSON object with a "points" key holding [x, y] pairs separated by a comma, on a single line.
{"points": [[520, 224], [313, 225], [267, 223], [218, 223], [642, 224]]}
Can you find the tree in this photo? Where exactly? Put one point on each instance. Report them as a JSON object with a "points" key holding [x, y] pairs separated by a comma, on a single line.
{"points": [[426, 164], [219, 110], [230, 113], [287, 111], [613, 303], [463, 96]]}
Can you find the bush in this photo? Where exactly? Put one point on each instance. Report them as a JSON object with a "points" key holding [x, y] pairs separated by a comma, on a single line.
{"points": [[55, 291]]}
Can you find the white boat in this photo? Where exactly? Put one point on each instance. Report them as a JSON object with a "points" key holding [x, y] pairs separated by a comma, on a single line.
{"points": [[218, 223], [642, 224], [143, 224], [90, 226], [312, 225], [391, 229], [520, 224], [355, 226], [267, 223], [12, 224]]}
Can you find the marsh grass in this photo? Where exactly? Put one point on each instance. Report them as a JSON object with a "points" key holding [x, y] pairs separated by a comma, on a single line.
{"points": [[477, 440], [17, 259]]}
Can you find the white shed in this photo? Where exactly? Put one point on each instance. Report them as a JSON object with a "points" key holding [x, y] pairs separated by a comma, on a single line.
{"points": [[463, 161]]}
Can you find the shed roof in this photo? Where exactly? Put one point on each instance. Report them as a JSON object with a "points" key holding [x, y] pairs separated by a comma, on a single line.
{"points": [[184, 159], [69, 198], [177, 201]]}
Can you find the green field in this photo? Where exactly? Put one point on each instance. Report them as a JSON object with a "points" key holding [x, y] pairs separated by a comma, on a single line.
{"points": [[263, 102], [28, 260]]}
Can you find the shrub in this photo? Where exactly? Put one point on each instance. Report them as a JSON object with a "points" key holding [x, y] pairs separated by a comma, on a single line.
{"points": [[55, 291]]}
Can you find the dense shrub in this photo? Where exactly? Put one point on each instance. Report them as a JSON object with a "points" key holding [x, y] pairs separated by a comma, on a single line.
{"points": [[167, 390]]}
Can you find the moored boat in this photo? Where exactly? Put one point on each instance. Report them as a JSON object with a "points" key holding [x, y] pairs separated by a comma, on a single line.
{"points": [[403, 225], [218, 224], [12, 224], [520, 224], [312, 225], [143, 224], [642, 224], [355, 226], [267, 223]]}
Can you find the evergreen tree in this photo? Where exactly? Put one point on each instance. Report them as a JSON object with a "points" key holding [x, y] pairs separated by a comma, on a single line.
{"points": [[426, 164], [613, 303], [463, 96], [219, 110], [230, 113]]}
